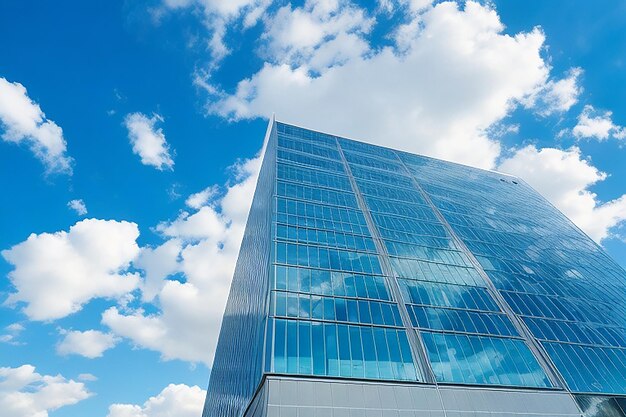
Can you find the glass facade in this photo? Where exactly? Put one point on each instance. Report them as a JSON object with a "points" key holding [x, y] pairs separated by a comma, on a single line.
{"points": [[567, 291], [331, 310], [376, 264]]}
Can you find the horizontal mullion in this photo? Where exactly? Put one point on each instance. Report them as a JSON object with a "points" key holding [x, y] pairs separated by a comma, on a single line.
{"points": [[499, 336], [347, 297], [344, 271]]}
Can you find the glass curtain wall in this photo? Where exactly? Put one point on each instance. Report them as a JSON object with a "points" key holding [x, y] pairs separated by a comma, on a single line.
{"points": [[331, 310], [567, 290], [468, 339]]}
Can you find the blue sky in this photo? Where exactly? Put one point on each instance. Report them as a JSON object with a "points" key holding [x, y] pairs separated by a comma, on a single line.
{"points": [[129, 140]]}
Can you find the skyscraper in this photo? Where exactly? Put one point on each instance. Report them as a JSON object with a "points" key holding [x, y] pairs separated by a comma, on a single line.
{"points": [[374, 282]]}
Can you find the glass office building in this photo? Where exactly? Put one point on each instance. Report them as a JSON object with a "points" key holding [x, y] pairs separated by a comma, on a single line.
{"points": [[374, 282]]}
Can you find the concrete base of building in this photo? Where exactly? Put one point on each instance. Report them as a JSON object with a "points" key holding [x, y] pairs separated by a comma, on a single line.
{"points": [[299, 397]]}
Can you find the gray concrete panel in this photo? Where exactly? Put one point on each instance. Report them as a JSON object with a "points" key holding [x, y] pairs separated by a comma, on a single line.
{"points": [[302, 397]]}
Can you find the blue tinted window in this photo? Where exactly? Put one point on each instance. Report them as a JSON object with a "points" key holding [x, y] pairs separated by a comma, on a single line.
{"points": [[461, 321], [589, 368], [304, 347], [307, 147], [292, 347], [305, 135], [483, 360], [341, 350], [280, 343], [444, 295], [316, 162], [332, 355], [372, 162], [319, 195], [318, 349], [314, 177]]}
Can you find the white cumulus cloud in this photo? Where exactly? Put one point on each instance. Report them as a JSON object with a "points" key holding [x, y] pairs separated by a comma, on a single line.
{"points": [[54, 274], [25, 393], [78, 206], [157, 264], [593, 124], [24, 122], [90, 343], [203, 246], [148, 140], [201, 198], [414, 6], [456, 75], [318, 35], [174, 400], [558, 96], [564, 177]]}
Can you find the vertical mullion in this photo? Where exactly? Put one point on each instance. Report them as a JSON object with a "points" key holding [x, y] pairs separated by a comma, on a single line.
{"points": [[423, 368], [542, 357]]}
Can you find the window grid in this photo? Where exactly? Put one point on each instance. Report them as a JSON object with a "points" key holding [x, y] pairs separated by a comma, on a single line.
{"points": [[577, 332], [459, 358], [567, 291], [310, 161], [334, 309], [322, 237], [332, 283], [300, 175], [307, 147], [319, 216], [327, 276], [318, 195], [417, 262], [306, 135], [351, 351], [542, 275], [326, 258]]}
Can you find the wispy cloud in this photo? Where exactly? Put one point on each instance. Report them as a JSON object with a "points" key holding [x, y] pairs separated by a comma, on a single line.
{"points": [[148, 140], [78, 206], [25, 123], [594, 124]]}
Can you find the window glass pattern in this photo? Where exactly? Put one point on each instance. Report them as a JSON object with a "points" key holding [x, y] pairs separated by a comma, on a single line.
{"points": [[564, 287], [341, 350], [469, 359], [307, 214], [445, 296], [307, 306], [585, 367], [464, 321], [331, 310], [334, 283], [310, 161]]}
